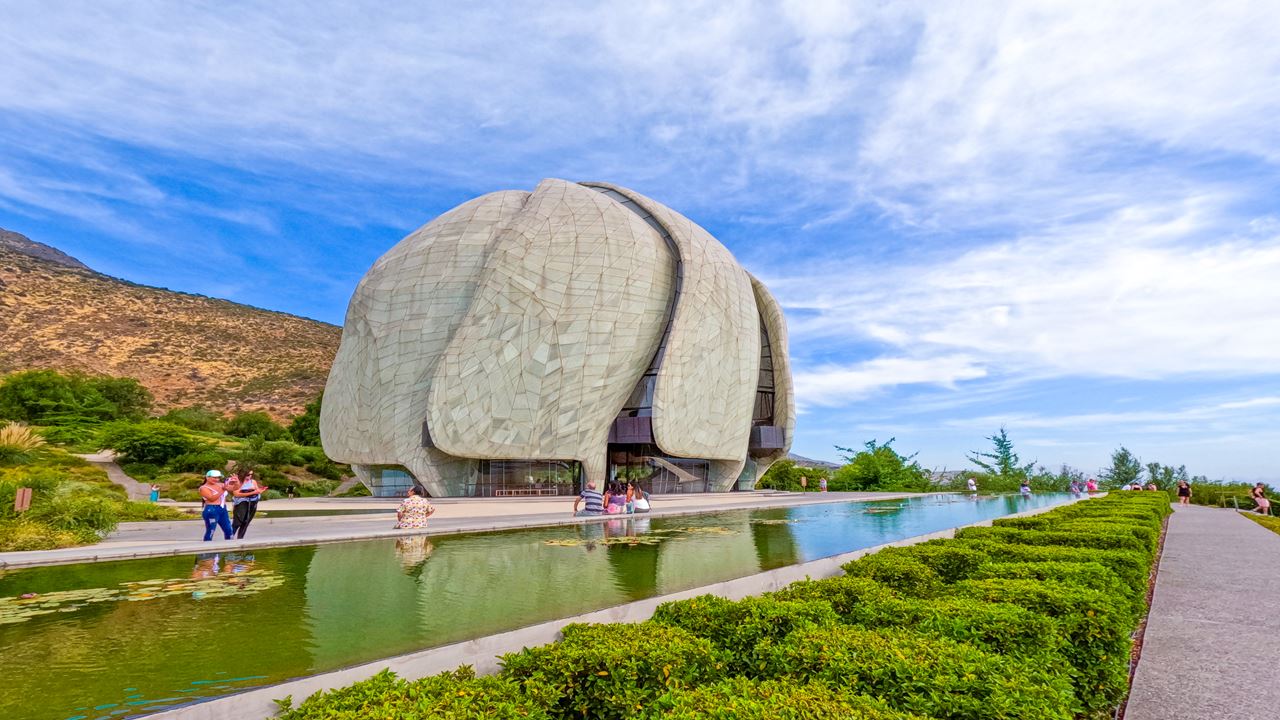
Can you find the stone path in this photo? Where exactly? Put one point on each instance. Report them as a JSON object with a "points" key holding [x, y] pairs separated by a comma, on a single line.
{"points": [[107, 461], [453, 515], [1212, 644]]}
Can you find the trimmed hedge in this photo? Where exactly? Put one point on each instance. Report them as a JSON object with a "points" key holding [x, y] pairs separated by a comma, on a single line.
{"points": [[611, 671], [743, 699], [905, 574], [1100, 541], [1131, 567], [844, 593], [1095, 627], [457, 695], [935, 677], [738, 628], [1093, 575]]}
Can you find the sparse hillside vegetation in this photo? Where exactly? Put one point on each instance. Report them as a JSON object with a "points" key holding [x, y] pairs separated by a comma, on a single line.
{"points": [[184, 349]]}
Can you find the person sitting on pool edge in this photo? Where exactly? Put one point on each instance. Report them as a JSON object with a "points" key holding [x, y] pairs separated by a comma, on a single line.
{"points": [[593, 499]]}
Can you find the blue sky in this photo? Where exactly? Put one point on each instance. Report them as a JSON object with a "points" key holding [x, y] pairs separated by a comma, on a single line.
{"points": [[1060, 217]]}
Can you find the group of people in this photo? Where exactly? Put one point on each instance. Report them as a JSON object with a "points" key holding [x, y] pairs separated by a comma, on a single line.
{"points": [[242, 492], [1079, 487], [617, 499]]}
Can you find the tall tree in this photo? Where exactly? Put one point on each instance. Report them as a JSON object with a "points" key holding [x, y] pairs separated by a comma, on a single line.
{"points": [[305, 428], [1125, 469], [1002, 467], [878, 467]]}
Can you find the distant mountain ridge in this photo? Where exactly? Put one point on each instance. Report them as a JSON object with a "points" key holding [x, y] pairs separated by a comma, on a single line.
{"points": [[25, 245], [55, 312]]}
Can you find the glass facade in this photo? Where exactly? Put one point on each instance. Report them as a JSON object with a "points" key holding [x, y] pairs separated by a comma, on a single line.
{"points": [[522, 478], [656, 471], [389, 481], [763, 412]]}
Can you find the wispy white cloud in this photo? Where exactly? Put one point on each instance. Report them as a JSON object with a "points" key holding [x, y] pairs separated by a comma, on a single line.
{"points": [[831, 385]]}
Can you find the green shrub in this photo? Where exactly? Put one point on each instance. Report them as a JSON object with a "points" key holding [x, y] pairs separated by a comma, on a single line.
{"points": [[931, 676], [326, 469], [1094, 625], [280, 453], [907, 575], [196, 417], [951, 561], [457, 695], [1093, 541], [47, 397], [82, 436], [256, 424], [611, 671], [1131, 567], [995, 627], [743, 699], [16, 535], [738, 628], [198, 462], [844, 593], [1093, 575], [152, 442]]}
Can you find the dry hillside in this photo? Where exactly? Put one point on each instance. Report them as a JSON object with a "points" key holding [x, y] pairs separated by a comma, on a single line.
{"points": [[187, 349]]}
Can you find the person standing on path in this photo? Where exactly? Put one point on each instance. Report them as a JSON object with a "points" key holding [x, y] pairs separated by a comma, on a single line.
{"points": [[1259, 494], [1184, 492], [244, 501], [973, 485], [822, 484], [155, 493], [213, 493], [414, 510]]}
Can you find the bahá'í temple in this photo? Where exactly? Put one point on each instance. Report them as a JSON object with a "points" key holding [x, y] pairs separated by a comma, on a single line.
{"points": [[524, 343]]}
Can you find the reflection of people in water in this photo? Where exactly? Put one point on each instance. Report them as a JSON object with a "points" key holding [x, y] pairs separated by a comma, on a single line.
{"points": [[207, 566], [413, 552]]}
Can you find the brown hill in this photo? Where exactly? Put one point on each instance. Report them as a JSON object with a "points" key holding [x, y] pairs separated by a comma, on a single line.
{"points": [[187, 349]]}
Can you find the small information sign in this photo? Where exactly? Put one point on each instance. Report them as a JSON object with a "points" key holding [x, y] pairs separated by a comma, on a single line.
{"points": [[22, 500]]}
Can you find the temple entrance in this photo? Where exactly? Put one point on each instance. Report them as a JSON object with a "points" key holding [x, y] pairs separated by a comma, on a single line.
{"points": [[656, 471]]}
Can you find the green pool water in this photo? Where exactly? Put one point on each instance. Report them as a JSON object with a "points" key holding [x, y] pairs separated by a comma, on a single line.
{"points": [[119, 639]]}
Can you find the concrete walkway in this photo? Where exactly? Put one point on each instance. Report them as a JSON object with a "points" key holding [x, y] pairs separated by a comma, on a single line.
{"points": [[1212, 644], [453, 515], [107, 461]]}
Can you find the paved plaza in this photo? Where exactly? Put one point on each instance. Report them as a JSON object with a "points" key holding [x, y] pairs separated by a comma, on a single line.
{"points": [[453, 515], [1212, 644]]}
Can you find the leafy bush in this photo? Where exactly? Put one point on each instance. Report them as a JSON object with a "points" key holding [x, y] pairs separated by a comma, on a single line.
{"points": [[199, 461], [611, 671], [902, 573], [326, 469], [879, 467], [18, 443], [995, 627], [255, 424], [82, 436], [738, 628], [152, 441], [1093, 575], [305, 428], [47, 397], [196, 417], [1130, 566], [935, 677], [951, 561], [1095, 626], [844, 593], [280, 453], [743, 699], [1046, 537], [457, 695]]}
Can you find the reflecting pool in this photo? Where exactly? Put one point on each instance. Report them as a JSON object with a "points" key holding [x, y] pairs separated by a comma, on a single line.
{"points": [[118, 639]]}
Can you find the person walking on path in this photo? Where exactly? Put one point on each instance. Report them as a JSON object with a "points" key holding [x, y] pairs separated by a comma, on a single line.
{"points": [[1259, 494], [244, 500], [822, 484], [155, 493], [213, 493], [594, 501], [973, 485], [1184, 492]]}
